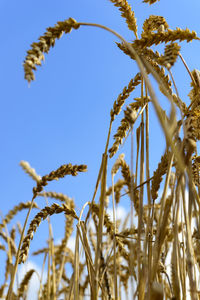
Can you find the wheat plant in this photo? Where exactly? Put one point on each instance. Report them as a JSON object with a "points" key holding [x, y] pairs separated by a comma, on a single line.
{"points": [[154, 252]]}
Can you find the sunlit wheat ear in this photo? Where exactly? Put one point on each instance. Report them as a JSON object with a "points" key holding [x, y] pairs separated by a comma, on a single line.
{"points": [[147, 52], [154, 23], [117, 190], [59, 196], [126, 173], [121, 163], [123, 128], [12, 213], [119, 136], [150, 1], [157, 175], [59, 173], [166, 82], [130, 114], [195, 84], [29, 170], [117, 164], [164, 37], [46, 41], [196, 123], [196, 75], [124, 95], [118, 185], [170, 55], [127, 13], [42, 215], [125, 170], [24, 284], [189, 141], [40, 251], [195, 91], [110, 229], [196, 170]]}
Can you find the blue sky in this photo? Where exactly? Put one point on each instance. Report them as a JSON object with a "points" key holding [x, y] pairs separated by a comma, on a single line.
{"points": [[63, 116]]}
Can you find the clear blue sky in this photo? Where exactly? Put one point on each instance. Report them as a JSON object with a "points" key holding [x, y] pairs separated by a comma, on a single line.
{"points": [[64, 115]]}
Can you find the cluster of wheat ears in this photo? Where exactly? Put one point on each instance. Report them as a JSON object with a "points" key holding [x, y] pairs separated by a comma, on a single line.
{"points": [[154, 254]]}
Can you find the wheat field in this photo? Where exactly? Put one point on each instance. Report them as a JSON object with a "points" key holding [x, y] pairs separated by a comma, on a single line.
{"points": [[153, 251]]}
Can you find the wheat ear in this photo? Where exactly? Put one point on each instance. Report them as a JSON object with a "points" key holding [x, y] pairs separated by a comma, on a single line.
{"points": [[24, 284], [46, 41], [11, 214], [164, 37], [127, 13], [154, 23], [150, 1], [29, 170], [42, 215], [59, 196], [124, 95]]}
